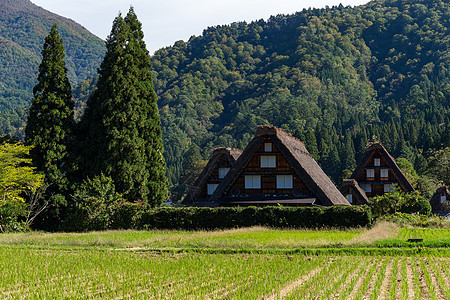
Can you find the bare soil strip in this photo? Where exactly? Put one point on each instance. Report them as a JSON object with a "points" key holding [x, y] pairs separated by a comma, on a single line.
{"points": [[440, 294], [410, 278], [384, 289], [423, 284], [355, 267], [362, 279], [373, 280], [443, 270], [336, 277], [349, 279], [399, 280], [284, 291]]}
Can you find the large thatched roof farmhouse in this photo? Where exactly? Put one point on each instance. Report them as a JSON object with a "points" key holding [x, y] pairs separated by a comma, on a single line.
{"points": [[378, 172], [275, 168]]}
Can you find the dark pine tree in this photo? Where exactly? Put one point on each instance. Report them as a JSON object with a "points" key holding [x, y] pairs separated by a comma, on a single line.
{"points": [[50, 119], [122, 120]]}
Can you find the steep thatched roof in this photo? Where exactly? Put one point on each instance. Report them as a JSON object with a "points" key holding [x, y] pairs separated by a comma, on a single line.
{"points": [[353, 185], [403, 182], [295, 153], [230, 154], [435, 200]]}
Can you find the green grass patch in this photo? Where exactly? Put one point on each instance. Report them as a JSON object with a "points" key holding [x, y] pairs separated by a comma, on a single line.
{"points": [[432, 237]]}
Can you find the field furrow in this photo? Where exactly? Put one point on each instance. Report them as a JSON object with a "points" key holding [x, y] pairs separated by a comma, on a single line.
{"points": [[386, 281], [363, 283], [284, 291], [356, 278], [332, 291]]}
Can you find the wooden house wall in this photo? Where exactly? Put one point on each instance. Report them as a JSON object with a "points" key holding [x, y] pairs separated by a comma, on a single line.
{"points": [[436, 205], [222, 162], [268, 175], [377, 181], [350, 190]]}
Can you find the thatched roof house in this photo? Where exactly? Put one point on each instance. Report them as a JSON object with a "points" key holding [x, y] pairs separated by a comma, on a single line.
{"points": [[378, 171], [353, 192], [212, 175], [276, 168], [441, 196]]}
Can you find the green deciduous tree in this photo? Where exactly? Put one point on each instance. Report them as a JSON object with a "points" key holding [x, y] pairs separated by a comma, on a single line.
{"points": [[440, 166], [17, 180], [50, 118], [122, 120]]}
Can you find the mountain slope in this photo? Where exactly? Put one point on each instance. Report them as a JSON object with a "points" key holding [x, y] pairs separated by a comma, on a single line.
{"points": [[333, 77], [23, 27]]}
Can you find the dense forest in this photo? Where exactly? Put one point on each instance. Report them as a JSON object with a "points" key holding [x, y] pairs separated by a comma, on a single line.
{"points": [[336, 78], [23, 27]]}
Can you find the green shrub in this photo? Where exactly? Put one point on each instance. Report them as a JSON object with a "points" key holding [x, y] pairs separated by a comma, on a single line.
{"points": [[96, 206], [193, 218], [399, 201], [416, 220]]}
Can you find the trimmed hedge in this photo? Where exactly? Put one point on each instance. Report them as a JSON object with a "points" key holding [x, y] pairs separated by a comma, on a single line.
{"points": [[193, 218]]}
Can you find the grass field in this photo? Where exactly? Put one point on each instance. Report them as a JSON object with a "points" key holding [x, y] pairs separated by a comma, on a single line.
{"points": [[211, 265]]}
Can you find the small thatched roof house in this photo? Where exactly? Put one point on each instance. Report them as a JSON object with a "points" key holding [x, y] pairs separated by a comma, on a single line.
{"points": [[378, 171], [354, 194], [441, 196], [212, 175], [276, 168]]}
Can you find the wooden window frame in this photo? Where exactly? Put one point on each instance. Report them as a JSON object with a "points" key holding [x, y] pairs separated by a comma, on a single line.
{"points": [[281, 181], [266, 163], [211, 188], [252, 182], [221, 171]]}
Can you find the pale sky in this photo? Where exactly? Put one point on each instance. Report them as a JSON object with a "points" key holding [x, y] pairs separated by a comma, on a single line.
{"points": [[167, 21]]}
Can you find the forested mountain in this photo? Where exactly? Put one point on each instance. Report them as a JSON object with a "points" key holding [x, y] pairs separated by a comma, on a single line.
{"points": [[23, 27], [336, 78]]}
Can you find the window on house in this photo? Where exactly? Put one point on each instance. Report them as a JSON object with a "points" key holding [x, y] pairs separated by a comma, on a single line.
{"points": [[387, 188], [443, 199], [376, 162], [370, 173], [350, 198], [252, 181], [268, 161], [211, 188], [367, 188], [223, 172], [267, 147], [384, 173], [284, 181]]}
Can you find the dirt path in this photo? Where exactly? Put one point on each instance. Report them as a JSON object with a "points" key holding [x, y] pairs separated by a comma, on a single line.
{"points": [[284, 291]]}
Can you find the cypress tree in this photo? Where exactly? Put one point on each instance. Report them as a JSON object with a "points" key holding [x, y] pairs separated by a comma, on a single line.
{"points": [[122, 121], [50, 118]]}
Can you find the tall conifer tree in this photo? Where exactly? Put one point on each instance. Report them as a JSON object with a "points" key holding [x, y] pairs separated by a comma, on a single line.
{"points": [[122, 120], [50, 118]]}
